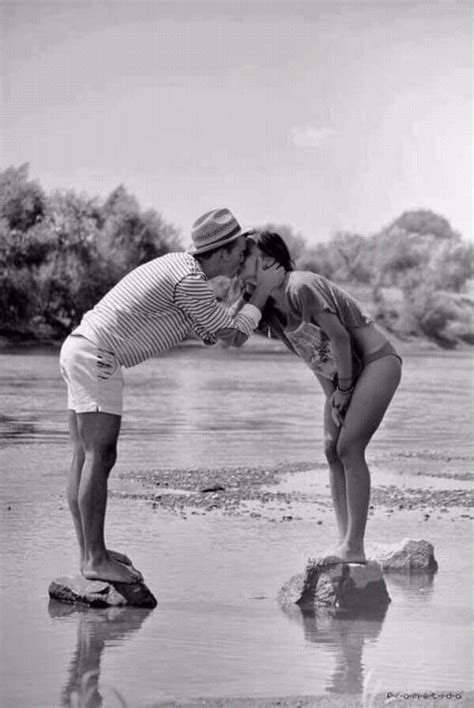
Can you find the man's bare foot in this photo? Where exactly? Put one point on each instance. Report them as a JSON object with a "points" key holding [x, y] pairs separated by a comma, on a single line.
{"points": [[111, 570], [120, 557]]}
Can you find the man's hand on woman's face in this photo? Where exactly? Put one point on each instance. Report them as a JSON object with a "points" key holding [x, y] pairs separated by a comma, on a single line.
{"points": [[248, 270], [270, 276]]}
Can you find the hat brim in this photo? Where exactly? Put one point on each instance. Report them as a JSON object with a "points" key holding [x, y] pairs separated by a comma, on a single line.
{"points": [[193, 251]]}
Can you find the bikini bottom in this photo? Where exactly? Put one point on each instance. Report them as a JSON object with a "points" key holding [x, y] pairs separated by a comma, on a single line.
{"points": [[386, 349]]}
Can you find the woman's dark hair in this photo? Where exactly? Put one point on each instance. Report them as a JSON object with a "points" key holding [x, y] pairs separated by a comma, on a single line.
{"points": [[272, 244]]}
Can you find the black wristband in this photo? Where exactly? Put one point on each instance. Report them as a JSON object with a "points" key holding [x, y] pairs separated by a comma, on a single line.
{"points": [[345, 390]]}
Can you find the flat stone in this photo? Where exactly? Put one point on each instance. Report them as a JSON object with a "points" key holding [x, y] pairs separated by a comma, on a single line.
{"points": [[409, 555], [97, 593], [350, 586]]}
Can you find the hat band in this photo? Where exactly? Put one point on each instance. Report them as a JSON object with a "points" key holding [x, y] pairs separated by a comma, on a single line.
{"points": [[224, 237]]}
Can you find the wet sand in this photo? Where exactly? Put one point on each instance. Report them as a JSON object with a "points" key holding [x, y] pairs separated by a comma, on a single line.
{"points": [[240, 491]]}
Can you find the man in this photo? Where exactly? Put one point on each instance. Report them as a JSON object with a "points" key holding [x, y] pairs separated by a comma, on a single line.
{"points": [[153, 308]]}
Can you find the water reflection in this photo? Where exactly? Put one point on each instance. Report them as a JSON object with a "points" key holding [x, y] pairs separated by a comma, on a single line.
{"points": [[11, 428], [96, 629], [344, 633], [417, 586]]}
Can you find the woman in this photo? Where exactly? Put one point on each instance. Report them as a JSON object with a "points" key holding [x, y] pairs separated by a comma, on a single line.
{"points": [[356, 365]]}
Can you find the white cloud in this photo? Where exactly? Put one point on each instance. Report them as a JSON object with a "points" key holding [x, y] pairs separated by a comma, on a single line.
{"points": [[308, 135]]}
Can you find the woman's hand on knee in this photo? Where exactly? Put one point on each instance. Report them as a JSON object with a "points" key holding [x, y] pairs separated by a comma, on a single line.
{"points": [[339, 404]]}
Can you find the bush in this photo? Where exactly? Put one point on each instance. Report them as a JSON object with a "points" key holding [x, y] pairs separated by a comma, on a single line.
{"points": [[441, 316], [60, 253]]}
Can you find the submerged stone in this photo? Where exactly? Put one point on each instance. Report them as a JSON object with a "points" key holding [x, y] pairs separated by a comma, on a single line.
{"points": [[350, 586], [409, 555], [97, 593]]}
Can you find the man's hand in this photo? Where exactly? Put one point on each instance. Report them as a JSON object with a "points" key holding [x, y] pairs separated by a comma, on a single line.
{"points": [[269, 277], [231, 337]]}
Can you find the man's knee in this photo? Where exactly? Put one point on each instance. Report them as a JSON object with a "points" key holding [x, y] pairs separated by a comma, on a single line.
{"points": [[103, 455], [79, 455], [108, 454]]}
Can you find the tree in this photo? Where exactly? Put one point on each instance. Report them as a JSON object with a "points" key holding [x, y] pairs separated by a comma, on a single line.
{"points": [[427, 266], [295, 241], [22, 201], [424, 222], [60, 253], [131, 236], [351, 257], [318, 259], [452, 264]]}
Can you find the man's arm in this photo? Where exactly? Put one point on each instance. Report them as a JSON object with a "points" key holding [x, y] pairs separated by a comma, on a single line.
{"points": [[267, 280], [212, 320]]}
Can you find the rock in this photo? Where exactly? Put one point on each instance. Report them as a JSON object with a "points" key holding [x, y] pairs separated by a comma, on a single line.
{"points": [[212, 488], [350, 586], [291, 592], [96, 593], [410, 555]]}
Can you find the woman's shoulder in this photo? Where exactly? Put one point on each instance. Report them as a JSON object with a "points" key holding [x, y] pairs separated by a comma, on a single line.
{"points": [[306, 278], [307, 289]]}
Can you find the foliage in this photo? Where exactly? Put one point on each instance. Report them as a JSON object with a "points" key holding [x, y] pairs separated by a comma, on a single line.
{"points": [[345, 258], [423, 222], [59, 253], [428, 266], [22, 202], [130, 236], [420, 259], [295, 241]]}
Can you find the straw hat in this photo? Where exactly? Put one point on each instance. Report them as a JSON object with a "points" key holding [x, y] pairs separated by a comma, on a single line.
{"points": [[214, 229]]}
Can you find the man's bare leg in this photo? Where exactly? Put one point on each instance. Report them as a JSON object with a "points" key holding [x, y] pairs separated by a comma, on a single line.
{"points": [[99, 434], [74, 479], [72, 489]]}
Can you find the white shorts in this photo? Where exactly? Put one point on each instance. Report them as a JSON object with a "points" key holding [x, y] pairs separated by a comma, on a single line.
{"points": [[93, 377]]}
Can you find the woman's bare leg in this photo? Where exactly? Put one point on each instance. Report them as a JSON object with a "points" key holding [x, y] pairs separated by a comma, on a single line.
{"points": [[337, 479], [372, 395]]}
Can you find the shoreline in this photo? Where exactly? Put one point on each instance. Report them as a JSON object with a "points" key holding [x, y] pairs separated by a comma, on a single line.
{"points": [[258, 343], [460, 698]]}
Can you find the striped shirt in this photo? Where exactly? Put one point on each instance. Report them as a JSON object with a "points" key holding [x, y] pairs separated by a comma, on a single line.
{"points": [[157, 305]]}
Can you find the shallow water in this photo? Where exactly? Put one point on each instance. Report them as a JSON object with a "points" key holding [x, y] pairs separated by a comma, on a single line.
{"points": [[218, 630]]}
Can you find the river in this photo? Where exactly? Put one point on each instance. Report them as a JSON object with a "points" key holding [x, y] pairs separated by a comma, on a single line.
{"points": [[217, 630]]}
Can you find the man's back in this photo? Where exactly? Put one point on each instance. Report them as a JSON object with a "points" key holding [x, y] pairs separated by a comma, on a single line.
{"points": [[142, 314]]}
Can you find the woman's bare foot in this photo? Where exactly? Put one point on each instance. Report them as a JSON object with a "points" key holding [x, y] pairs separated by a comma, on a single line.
{"points": [[108, 569], [115, 555], [344, 554]]}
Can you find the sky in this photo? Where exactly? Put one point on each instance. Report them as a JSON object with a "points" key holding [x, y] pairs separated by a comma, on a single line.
{"points": [[325, 116]]}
